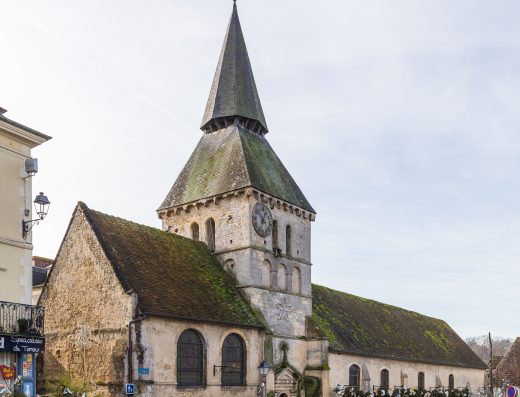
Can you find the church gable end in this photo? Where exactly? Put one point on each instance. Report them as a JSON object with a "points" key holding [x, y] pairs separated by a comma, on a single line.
{"points": [[86, 311]]}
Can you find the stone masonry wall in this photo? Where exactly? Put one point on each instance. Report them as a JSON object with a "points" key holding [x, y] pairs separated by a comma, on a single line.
{"points": [[159, 339], [86, 315]]}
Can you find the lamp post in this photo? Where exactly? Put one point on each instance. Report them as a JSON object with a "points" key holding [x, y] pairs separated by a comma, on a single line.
{"points": [[41, 206], [264, 370]]}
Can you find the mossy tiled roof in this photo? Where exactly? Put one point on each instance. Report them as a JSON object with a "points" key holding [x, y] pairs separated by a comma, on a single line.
{"points": [[172, 276], [365, 327], [230, 159]]}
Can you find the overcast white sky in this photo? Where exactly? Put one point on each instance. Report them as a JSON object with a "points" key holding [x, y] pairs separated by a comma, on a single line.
{"points": [[398, 119]]}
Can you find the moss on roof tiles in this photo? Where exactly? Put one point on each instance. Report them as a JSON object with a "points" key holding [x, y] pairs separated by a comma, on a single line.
{"points": [[267, 173], [172, 276], [363, 326], [230, 159]]}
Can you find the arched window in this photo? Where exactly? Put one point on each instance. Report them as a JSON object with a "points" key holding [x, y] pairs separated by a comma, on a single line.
{"points": [[451, 382], [420, 380], [353, 376], [275, 235], [210, 234], [296, 280], [195, 231], [266, 273], [385, 378], [190, 359], [233, 361], [282, 277], [288, 240]]}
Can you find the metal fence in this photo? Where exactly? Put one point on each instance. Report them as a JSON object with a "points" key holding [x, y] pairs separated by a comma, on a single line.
{"points": [[20, 319]]}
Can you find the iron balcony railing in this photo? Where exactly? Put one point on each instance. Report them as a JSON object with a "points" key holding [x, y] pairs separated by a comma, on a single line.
{"points": [[20, 319]]}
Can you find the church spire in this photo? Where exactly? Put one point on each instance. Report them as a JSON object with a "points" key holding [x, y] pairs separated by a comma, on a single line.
{"points": [[233, 93]]}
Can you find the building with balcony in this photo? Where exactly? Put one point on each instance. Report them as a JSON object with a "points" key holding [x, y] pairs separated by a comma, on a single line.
{"points": [[21, 323]]}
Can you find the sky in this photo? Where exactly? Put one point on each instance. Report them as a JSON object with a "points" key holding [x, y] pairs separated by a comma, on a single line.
{"points": [[398, 119]]}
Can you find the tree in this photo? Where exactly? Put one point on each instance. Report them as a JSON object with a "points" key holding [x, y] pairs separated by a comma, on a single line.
{"points": [[480, 345]]}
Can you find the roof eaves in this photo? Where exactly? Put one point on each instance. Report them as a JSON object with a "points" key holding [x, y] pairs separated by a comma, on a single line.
{"points": [[25, 128], [202, 320], [399, 358], [168, 207]]}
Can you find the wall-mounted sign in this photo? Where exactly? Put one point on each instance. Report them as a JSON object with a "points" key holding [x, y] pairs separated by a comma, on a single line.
{"points": [[512, 391], [129, 388], [21, 344], [143, 371], [7, 372]]}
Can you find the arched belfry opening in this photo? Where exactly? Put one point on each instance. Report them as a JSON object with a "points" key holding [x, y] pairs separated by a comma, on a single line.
{"points": [[195, 231], [288, 242], [210, 234]]}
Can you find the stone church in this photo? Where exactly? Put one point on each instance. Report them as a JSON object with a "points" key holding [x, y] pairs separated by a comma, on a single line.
{"points": [[195, 308]]}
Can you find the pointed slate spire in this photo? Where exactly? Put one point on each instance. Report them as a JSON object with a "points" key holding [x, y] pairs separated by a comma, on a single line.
{"points": [[233, 93]]}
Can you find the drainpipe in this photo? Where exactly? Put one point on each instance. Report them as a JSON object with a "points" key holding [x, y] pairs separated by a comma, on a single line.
{"points": [[130, 353]]}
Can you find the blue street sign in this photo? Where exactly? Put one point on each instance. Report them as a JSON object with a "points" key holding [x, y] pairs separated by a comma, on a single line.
{"points": [[143, 371], [129, 388]]}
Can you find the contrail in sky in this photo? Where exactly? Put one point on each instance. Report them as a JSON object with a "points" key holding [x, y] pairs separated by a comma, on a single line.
{"points": [[112, 76]]}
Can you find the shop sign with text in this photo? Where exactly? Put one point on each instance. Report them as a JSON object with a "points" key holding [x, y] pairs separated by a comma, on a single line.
{"points": [[21, 344]]}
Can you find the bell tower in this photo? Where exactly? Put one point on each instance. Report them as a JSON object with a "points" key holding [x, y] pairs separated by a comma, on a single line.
{"points": [[235, 194]]}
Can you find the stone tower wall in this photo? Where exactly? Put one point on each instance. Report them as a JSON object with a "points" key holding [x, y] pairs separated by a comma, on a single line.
{"points": [[276, 283]]}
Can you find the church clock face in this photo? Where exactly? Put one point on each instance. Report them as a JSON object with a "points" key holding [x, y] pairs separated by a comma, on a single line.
{"points": [[262, 220]]}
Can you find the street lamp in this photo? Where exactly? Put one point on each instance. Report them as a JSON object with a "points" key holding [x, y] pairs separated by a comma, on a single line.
{"points": [[264, 370], [41, 206]]}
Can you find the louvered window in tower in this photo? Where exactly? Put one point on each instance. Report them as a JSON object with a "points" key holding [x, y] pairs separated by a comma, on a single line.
{"points": [[210, 234], [195, 231], [275, 235], [288, 240]]}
